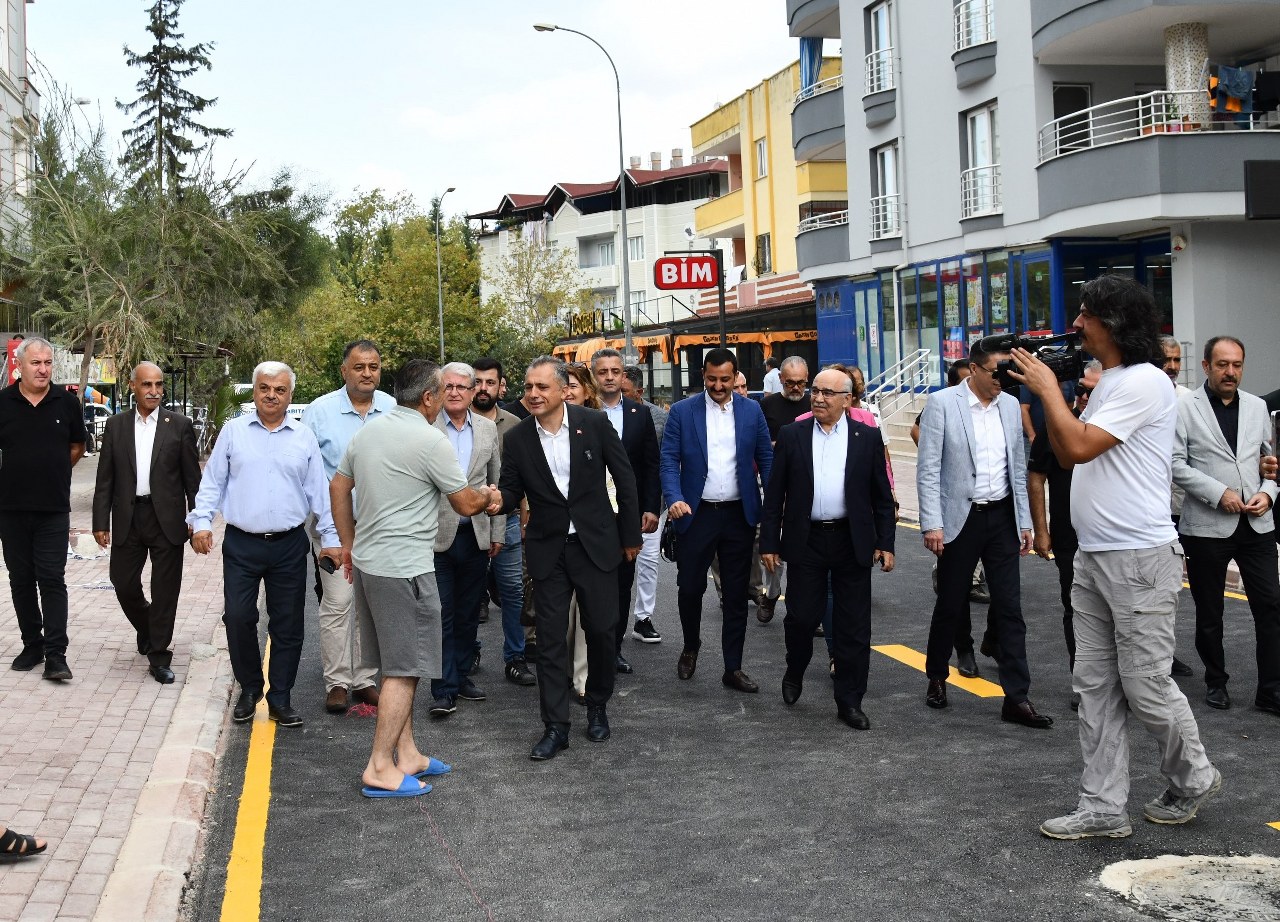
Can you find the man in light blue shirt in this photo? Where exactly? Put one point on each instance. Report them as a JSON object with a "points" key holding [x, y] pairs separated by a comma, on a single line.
{"points": [[265, 476], [335, 418]]}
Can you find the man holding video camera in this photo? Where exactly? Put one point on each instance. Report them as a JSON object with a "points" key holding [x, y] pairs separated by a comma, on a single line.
{"points": [[1128, 567]]}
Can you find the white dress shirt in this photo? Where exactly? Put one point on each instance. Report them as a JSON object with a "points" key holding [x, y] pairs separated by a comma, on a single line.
{"points": [[556, 449], [830, 450], [615, 414], [989, 449], [144, 437], [722, 453]]}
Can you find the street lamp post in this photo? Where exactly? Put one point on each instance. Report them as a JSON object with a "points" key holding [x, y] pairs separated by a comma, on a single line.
{"points": [[439, 276], [628, 350]]}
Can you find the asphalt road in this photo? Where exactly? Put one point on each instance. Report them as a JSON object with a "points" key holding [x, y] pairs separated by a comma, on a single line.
{"points": [[711, 804]]}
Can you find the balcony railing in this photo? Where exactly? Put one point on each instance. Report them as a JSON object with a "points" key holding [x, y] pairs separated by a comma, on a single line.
{"points": [[1136, 117], [822, 86], [879, 71], [831, 219], [885, 217], [974, 23], [980, 191]]}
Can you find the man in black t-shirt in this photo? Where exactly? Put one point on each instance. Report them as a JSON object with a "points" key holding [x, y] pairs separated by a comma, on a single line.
{"points": [[783, 408], [42, 436]]}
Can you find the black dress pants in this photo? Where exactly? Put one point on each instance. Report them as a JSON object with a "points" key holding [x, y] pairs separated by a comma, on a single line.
{"points": [[1064, 557], [280, 565], [717, 530], [828, 555], [1255, 555], [597, 592], [35, 553], [153, 621], [990, 535]]}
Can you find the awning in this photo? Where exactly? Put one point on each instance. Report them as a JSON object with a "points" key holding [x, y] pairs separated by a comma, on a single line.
{"points": [[765, 339]]}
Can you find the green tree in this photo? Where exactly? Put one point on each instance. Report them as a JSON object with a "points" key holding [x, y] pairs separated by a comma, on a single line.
{"points": [[160, 144], [534, 285]]}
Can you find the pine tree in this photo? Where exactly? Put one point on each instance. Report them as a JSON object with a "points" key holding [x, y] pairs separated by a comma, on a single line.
{"points": [[161, 143]]}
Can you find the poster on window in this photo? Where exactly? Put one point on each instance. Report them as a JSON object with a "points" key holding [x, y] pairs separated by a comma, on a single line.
{"points": [[951, 304], [973, 301], [999, 300]]}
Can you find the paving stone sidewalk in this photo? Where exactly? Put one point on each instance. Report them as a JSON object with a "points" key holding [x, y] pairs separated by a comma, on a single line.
{"points": [[112, 768]]}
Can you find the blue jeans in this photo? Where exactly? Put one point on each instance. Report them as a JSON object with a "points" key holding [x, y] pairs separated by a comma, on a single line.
{"points": [[510, 579], [460, 573]]}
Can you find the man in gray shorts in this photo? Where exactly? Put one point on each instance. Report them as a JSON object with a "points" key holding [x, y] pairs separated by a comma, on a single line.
{"points": [[402, 465]]}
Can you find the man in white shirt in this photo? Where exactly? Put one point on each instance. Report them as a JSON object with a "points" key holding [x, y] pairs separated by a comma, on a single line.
{"points": [[1128, 570], [772, 376]]}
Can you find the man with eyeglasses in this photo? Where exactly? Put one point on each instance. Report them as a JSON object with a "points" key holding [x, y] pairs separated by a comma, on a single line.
{"points": [[971, 483], [464, 545], [1056, 535]]}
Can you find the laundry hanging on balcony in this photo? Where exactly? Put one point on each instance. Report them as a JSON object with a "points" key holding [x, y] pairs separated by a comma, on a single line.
{"points": [[810, 62], [1231, 91]]}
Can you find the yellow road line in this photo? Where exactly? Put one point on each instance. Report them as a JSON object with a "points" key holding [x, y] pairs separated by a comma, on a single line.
{"points": [[980, 687], [1274, 825], [242, 898]]}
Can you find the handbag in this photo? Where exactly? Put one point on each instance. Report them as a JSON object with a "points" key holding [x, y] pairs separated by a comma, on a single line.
{"points": [[668, 541]]}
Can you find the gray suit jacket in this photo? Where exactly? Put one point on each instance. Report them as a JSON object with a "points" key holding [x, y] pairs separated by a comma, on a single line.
{"points": [[1204, 466], [484, 469], [946, 469]]}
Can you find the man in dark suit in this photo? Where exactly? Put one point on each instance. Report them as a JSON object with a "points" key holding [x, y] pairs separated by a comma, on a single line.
{"points": [[634, 424], [828, 512], [574, 540], [148, 476], [712, 447]]}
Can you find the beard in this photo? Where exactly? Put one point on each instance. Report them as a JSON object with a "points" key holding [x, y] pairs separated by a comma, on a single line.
{"points": [[796, 399], [483, 401]]}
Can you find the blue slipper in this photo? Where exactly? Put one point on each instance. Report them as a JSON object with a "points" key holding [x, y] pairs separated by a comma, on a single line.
{"points": [[434, 767], [409, 787]]}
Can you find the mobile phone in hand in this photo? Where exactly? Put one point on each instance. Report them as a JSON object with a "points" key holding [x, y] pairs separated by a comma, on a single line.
{"points": [[327, 564]]}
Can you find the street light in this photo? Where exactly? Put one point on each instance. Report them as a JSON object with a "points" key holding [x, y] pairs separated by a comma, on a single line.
{"points": [[628, 352], [439, 277]]}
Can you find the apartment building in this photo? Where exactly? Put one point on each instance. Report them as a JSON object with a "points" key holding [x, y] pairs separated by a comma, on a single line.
{"points": [[19, 124], [1001, 153]]}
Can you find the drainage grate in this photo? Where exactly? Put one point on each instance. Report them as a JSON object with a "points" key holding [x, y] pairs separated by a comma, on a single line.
{"points": [[1200, 888]]}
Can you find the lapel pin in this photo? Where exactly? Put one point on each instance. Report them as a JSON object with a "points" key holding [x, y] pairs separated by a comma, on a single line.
{"points": [[588, 454]]}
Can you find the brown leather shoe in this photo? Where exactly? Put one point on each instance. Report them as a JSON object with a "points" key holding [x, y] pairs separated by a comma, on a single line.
{"points": [[687, 663], [741, 681], [765, 608], [1024, 713], [336, 701], [367, 695], [936, 696]]}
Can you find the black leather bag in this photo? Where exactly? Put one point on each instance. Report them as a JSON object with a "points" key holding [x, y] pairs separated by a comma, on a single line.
{"points": [[668, 544]]}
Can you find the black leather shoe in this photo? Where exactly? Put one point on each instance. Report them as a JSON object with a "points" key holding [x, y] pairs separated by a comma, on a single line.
{"points": [[162, 674], [1180, 668], [936, 696], [687, 663], [741, 681], [56, 668], [1269, 703], [245, 705], [597, 724], [1217, 697], [284, 715], [791, 688], [966, 665], [854, 718], [1024, 713], [765, 608], [622, 665], [28, 659], [552, 742]]}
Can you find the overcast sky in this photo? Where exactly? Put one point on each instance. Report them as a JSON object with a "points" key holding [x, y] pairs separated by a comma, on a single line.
{"points": [[420, 95]]}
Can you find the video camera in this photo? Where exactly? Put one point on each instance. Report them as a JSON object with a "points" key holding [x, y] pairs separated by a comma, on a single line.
{"points": [[1061, 353]]}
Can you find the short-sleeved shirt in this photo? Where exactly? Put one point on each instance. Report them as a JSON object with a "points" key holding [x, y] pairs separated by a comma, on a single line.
{"points": [[35, 470], [779, 412], [334, 421], [1120, 499], [400, 464]]}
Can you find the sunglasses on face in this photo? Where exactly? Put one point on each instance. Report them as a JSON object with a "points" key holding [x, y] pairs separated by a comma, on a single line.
{"points": [[1083, 390]]}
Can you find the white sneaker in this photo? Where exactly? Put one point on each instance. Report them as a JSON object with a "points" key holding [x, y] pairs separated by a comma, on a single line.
{"points": [[1085, 823]]}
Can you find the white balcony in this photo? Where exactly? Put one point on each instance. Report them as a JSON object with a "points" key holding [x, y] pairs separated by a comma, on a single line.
{"points": [[885, 217], [980, 191], [879, 71], [831, 219], [974, 23], [822, 86]]}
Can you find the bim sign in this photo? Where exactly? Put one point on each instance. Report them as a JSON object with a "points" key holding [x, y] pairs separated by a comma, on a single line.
{"points": [[677, 272]]}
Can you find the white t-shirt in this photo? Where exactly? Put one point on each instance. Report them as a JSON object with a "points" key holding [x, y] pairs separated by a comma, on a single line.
{"points": [[1120, 499], [773, 382]]}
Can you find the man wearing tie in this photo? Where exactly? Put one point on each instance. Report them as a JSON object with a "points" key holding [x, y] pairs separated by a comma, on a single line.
{"points": [[148, 475], [971, 481], [828, 511], [557, 460], [713, 444]]}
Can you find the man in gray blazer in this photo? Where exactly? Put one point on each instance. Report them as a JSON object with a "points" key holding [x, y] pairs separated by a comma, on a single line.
{"points": [[1222, 432], [971, 482], [464, 545]]}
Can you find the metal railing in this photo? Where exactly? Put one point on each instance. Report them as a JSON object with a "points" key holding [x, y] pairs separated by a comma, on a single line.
{"points": [[822, 86], [879, 71], [894, 389], [830, 219], [975, 23], [885, 217], [1134, 117], [980, 191]]}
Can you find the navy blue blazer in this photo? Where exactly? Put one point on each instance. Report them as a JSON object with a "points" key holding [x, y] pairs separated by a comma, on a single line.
{"points": [[684, 455]]}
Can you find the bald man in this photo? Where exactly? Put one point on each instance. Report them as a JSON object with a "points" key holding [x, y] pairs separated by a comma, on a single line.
{"points": [[148, 475]]}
